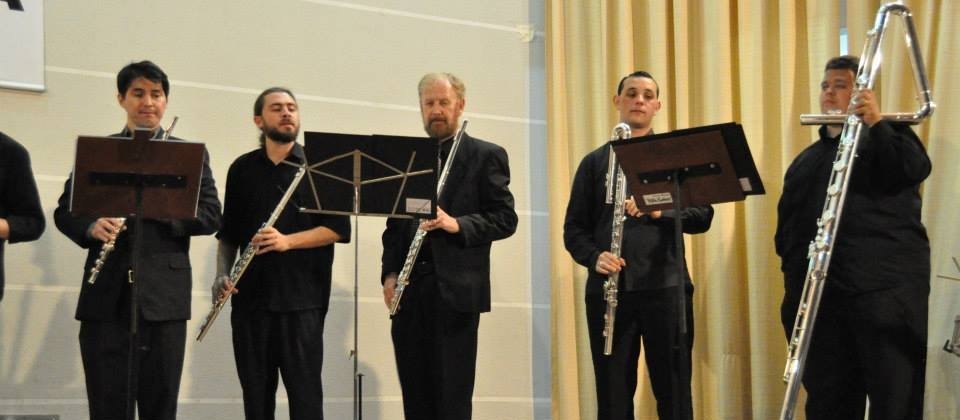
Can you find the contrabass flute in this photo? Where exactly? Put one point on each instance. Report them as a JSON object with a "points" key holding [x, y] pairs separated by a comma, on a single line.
{"points": [[108, 246], [616, 195], [821, 248], [249, 252], [403, 279]]}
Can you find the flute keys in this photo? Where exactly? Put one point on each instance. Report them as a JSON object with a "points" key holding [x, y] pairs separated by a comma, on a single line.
{"points": [[839, 166], [827, 217], [833, 190]]}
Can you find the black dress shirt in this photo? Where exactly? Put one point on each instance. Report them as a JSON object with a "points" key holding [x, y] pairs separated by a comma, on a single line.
{"points": [[279, 281], [426, 255], [880, 241]]}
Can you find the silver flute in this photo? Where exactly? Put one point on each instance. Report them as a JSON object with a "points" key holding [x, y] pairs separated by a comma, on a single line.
{"points": [[250, 251], [403, 279], [821, 248], [109, 246], [616, 195]]}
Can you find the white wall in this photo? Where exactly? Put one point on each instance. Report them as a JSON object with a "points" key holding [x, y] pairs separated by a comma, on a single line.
{"points": [[354, 66]]}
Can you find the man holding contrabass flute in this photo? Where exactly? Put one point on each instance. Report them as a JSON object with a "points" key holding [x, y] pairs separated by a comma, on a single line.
{"points": [[637, 288], [871, 318]]}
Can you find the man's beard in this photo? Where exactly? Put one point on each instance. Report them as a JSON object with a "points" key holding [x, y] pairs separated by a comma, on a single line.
{"points": [[440, 132], [278, 136]]}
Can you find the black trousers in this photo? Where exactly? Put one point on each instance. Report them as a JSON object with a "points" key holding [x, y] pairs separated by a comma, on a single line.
{"points": [[104, 348], [436, 352], [267, 344], [650, 316], [867, 345]]}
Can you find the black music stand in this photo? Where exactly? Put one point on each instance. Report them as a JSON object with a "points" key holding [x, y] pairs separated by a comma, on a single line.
{"points": [[384, 176], [135, 178], [690, 167]]}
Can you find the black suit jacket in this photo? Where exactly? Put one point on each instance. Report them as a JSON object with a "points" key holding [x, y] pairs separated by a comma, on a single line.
{"points": [[19, 200], [476, 193], [164, 280]]}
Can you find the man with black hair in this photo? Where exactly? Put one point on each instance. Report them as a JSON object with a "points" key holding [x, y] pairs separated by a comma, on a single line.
{"points": [[279, 309], [648, 282], [21, 217], [870, 334], [163, 283]]}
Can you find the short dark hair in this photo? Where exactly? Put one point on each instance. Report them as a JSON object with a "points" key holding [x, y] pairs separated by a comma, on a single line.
{"points": [[145, 69], [258, 104], [639, 73], [843, 62]]}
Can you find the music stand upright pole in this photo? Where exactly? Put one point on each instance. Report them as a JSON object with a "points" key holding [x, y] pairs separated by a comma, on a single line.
{"points": [[680, 341], [132, 356], [357, 376]]}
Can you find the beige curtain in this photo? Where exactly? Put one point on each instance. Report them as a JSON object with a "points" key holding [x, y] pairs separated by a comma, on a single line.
{"points": [[758, 63], [936, 23]]}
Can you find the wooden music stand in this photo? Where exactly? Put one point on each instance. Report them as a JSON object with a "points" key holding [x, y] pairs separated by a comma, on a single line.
{"points": [[713, 165], [108, 171]]}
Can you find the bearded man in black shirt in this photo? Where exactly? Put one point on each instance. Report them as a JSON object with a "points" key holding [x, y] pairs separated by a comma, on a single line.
{"points": [[279, 309], [870, 334]]}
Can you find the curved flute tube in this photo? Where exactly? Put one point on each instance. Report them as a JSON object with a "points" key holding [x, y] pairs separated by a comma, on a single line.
{"points": [[109, 246], [919, 72], [821, 248], [403, 279], [250, 251], [617, 195]]}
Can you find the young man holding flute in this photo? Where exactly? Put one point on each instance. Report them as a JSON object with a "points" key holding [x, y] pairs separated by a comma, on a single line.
{"points": [[648, 279], [163, 283]]}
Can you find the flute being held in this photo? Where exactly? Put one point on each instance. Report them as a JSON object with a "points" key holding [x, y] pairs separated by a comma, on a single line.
{"points": [[443, 221], [110, 228]]}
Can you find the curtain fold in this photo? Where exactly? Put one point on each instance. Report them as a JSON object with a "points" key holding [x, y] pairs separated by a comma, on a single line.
{"points": [[758, 63], [935, 22]]}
